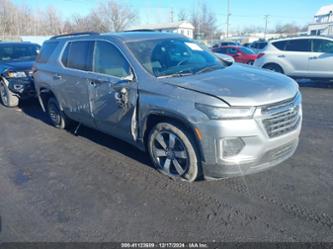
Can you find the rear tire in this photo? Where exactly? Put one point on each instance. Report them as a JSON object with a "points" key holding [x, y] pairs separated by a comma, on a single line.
{"points": [[57, 117], [274, 67], [8, 98], [173, 151]]}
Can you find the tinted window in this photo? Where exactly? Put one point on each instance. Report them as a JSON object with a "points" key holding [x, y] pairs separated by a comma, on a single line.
{"points": [[302, 45], [46, 52], [18, 52], [261, 45], [322, 46], [221, 50], [108, 60], [246, 50], [80, 55], [232, 51], [281, 45], [254, 45]]}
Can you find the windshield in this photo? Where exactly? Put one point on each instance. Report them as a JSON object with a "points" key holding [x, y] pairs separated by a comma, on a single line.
{"points": [[247, 50], [18, 52], [174, 57]]}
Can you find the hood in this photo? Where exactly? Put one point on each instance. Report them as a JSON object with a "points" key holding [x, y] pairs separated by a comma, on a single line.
{"points": [[241, 85], [17, 65]]}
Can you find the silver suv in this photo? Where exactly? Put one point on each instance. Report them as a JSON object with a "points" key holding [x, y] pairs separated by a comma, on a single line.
{"points": [[196, 115]]}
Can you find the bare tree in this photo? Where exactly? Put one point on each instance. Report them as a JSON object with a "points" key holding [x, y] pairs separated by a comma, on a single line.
{"points": [[115, 16], [7, 22], [52, 23], [204, 22], [288, 28], [182, 15]]}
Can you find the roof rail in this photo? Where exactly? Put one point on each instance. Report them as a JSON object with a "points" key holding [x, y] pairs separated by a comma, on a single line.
{"points": [[141, 30], [74, 34]]}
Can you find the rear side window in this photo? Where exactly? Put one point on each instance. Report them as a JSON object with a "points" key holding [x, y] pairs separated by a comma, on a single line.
{"points": [[46, 52], [322, 46], [281, 45], [78, 55], [108, 60], [301, 45]]}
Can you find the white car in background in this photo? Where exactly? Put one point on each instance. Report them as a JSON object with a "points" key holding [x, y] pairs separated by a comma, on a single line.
{"points": [[299, 57]]}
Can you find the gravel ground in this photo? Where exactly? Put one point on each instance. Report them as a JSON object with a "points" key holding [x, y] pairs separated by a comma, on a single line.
{"points": [[55, 186]]}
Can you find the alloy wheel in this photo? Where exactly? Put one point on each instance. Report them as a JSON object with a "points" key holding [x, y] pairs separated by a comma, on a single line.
{"points": [[54, 114], [170, 153]]}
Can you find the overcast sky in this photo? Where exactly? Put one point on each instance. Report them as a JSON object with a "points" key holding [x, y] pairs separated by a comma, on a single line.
{"points": [[244, 12]]}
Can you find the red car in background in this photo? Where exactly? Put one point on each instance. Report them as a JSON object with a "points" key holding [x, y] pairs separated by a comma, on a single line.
{"points": [[240, 54]]}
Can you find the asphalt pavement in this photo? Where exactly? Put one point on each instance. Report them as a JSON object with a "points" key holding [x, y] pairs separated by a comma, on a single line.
{"points": [[55, 186]]}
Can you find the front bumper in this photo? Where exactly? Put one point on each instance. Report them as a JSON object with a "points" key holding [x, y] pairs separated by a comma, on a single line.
{"points": [[260, 152], [22, 87]]}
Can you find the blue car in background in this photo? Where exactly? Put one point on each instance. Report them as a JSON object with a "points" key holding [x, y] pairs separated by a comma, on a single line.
{"points": [[16, 61]]}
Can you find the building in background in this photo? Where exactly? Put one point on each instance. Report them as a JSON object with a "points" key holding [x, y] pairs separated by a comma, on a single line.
{"points": [[183, 27], [323, 21]]}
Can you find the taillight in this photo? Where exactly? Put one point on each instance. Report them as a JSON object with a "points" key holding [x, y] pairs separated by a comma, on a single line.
{"points": [[260, 55]]}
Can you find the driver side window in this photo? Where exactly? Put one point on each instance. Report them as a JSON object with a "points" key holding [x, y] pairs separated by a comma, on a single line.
{"points": [[108, 60]]}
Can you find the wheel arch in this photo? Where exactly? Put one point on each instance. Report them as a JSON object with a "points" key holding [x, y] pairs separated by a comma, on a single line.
{"points": [[44, 94], [154, 118]]}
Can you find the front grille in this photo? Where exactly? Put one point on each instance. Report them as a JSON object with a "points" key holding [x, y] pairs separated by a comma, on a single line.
{"points": [[283, 117]]}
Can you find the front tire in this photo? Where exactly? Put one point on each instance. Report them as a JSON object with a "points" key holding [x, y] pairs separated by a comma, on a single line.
{"points": [[57, 117], [7, 97], [173, 152]]}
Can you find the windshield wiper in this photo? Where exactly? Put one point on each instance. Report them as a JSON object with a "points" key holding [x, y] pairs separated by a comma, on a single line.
{"points": [[178, 74]]}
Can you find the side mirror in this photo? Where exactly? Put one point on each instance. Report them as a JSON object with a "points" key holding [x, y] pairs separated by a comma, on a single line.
{"points": [[130, 77], [225, 58]]}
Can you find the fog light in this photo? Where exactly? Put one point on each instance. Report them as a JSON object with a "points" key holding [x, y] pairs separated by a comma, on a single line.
{"points": [[232, 146]]}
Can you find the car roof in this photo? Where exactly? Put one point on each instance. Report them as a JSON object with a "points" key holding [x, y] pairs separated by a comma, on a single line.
{"points": [[303, 37], [123, 36]]}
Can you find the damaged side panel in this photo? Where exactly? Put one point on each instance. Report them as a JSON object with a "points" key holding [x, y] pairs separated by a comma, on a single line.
{"points": [[113, 106]]}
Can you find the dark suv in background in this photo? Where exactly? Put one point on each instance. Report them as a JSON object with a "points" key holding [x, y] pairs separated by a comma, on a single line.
{"points": [[16, 60]]}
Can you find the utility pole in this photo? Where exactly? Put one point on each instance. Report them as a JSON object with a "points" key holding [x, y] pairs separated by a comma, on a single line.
{"points": [[171, 15], [228, 18], [266, 25]]}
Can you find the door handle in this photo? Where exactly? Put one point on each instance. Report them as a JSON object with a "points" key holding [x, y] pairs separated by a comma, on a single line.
{"points": [[57, 77], [282, 56], [314, 58]]}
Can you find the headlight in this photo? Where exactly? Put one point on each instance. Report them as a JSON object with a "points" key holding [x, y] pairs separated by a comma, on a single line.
{"points": [[16, 74], [217, 113]]}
